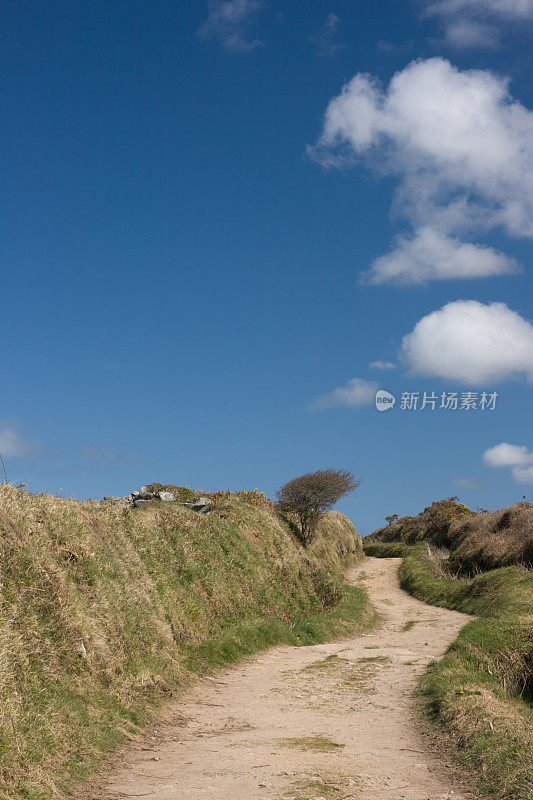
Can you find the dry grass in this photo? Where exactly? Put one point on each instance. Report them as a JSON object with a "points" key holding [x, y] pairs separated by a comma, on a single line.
{"points": [[493, 539], [106, 611], [477, 541], [432, 524], [313, 744], [324, 787]]}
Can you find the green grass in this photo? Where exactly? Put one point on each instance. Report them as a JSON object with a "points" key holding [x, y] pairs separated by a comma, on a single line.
{"points": [[107, 612], [385, 549], [480, 693], [352, 614], [312, 744], [508, 590], [325, 786]]}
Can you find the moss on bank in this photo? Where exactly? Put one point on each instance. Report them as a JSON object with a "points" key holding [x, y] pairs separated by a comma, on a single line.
{"points": [[107, 611]]}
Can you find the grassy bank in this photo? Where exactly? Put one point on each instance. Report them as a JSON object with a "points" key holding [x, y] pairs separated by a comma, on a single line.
{"points": [[385, 549], [476, 541], [480, 693], [107, 611]]}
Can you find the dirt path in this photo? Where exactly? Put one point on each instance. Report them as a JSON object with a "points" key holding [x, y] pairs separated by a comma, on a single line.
{"points": [[328, 721]]}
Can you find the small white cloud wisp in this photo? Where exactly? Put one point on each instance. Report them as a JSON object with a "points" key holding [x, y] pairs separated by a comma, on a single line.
{"points": [[477, 23], [357, 392], [229, 21], [13, 444], [382, 365], [326, 40], [516, 457]]}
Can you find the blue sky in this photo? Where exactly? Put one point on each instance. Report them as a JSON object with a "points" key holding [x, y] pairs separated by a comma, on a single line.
{"points": [[189, 200]]}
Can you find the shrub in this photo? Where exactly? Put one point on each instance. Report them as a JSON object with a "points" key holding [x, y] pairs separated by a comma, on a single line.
{"points": [[432, 524], [308, 496], [493, 539]]}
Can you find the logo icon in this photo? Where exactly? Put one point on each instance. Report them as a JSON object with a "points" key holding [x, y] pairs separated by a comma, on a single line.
{"points": [[384, 400]]}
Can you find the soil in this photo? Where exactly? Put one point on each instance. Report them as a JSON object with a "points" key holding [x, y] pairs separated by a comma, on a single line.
{"points": [[335, 720]]}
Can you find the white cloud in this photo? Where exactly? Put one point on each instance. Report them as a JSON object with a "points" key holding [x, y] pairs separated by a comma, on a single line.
{"points": [[357, 392], [512, 9], [523, 474], [13, 444], [471, 33], [461, 19], [228, 22], [507, 455], [460, 147], [327, 39], [518, 457], [99, 456], [467, 483], [382, 365], [430, 255], [471, 342]]}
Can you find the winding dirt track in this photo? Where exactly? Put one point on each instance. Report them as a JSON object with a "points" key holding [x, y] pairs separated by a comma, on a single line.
{"points": [[328, 721]]}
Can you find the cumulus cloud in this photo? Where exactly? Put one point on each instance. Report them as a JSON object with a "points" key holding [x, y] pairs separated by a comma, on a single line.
{"points": [[357, 392], [471, 342], [523, 474], [327, 40], [507, 455], [229, 21], [518, 457], [430, 255], [382, 365], [461, 149]]}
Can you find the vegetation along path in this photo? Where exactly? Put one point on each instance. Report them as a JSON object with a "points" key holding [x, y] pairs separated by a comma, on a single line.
{"points": [[326, 721]]}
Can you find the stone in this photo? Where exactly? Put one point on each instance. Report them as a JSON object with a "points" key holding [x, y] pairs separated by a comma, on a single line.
{"points": [[135, 494], [202, 505], [168, 497], [144, 494], [138, 503]]}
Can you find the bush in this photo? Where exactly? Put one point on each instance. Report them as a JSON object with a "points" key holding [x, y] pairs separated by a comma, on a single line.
{"points": [[308, 496], [493, 539], [432, 524], [385, 549]]}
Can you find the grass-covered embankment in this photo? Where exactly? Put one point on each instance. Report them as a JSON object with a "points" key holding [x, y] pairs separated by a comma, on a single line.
{"points": [[481, 691], [476, 540], [106, 611], [385, 549]]}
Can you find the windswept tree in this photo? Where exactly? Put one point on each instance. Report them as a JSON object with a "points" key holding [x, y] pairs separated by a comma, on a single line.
{"points": [[308, 496]]}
